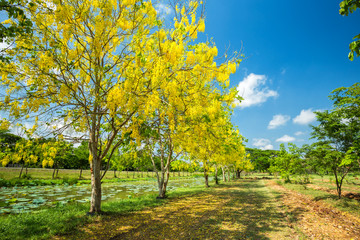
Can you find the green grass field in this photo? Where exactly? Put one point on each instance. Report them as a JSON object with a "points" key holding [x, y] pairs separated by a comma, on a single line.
{"points": [[46, 173], [258, 206], [43, 176]]}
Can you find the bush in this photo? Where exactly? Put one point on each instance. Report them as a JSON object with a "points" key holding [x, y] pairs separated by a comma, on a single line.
{"points": [[26, 176], [70, 181]]}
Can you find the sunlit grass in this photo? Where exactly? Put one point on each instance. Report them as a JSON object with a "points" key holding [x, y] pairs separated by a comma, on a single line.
{"points": [[9, 177], [46, 173], [64, 219]]}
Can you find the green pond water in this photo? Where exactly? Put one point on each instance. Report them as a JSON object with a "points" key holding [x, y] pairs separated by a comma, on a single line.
{"points": [[32, 198]]}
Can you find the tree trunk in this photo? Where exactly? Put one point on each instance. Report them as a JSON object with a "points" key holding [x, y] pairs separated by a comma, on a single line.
{"points": [[228, 172], [238, 172], [223, 174], [53, 175], [95, 203], [162, 183], [80, 173], [57, 172], [216, 175], [21, 171], [206, 175]]}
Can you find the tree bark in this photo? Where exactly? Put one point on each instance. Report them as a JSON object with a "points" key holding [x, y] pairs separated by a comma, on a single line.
{"points": [[223, 174], [228, 172], [162, 183], [80, 173], [206, 175], [216, 175], [338, 185], [238, 172], [95, 203], [53, 175], [21, 171]]}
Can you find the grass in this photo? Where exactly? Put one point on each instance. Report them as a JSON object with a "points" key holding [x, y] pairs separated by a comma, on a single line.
{"points": [[241, 209], [46, 173], [244, 209], [9, 177], [64, 219], [44, 223]]}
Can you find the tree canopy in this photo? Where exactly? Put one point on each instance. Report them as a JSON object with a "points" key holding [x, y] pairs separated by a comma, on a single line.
{"points": [[100, 70], [347, 7]]}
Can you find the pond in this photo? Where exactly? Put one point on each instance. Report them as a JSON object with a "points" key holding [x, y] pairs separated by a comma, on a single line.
{"points": [[30, 198]]}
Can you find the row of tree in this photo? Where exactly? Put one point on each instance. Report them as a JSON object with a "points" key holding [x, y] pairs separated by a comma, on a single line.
{"points": [[118, 76], [78, 158]]}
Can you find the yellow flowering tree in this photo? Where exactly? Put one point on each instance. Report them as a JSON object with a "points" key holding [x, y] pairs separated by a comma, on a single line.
{"points": [[243, 163], [212, 141], [86, 68], [192, 87], [97, 70]]}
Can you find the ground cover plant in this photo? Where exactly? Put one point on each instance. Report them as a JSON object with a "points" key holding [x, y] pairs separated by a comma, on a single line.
{"points": [[67, 218], [36, 194], [46, 174], [249, 208], [232, 210]]}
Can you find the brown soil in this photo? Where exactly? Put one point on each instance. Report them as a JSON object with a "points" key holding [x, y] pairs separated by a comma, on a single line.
{"points": [[318, 220]]}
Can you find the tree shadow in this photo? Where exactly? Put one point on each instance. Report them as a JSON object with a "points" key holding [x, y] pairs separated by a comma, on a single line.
{"points": [[240, 210]]}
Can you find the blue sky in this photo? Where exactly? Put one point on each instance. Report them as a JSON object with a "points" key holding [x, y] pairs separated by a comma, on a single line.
{"points": [[296, 54]]}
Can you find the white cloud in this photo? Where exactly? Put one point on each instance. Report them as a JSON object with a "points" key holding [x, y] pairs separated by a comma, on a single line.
{"points": [[283, 71], [4, 45], [263, 144], [163, 10], [252, 89], [305, 117], [299, 133], [285, 139], [278, 120]]}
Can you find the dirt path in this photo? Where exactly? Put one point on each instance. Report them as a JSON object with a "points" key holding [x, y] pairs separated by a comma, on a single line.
{"points": [[246, 209], [316, 219]]}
